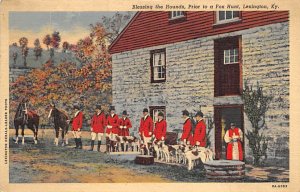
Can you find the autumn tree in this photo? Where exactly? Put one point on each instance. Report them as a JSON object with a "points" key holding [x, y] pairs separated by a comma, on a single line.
{"points": [[54, 43], [66, 83], [65, 46], [256, 104], [15, 52], [115, 24], [37, 49], [23, 41], [47, 41]]}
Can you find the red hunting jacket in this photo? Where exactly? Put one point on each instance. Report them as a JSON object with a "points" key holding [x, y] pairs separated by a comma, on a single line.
{"points": [[77, 121], [146, 126], [160, 129], [113, 122], [187, 127], [122, 123], [200, 133], [98, 123]]}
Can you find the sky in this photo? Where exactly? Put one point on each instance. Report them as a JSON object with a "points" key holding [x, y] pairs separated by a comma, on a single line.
{"points": [[71, 25]]}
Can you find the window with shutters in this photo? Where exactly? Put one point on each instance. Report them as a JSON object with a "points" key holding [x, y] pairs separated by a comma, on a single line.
{"points": [[154, 110], [158, 65], [227, 16]]}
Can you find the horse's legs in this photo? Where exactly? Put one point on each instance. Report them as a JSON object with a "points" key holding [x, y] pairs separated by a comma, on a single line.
{"points": [[56, 136], [35, 133], [23, 139], [17, 133], [63, 137]]}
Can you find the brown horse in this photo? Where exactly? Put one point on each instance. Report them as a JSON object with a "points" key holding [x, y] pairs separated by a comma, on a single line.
{"points": [[26, 117], [60, 122]]}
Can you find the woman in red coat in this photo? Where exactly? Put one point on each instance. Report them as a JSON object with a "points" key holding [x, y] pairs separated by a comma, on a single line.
{"points": [[160, 129], [200, 130], [98, 122], [124, 126]]}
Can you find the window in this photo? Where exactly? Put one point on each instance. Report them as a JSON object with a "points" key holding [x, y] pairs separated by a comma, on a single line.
{"points": [[227, 16], [231, 56], [176, 14], [154, 110], [158, 65]]}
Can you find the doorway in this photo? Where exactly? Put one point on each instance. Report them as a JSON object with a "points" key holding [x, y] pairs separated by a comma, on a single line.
{"points": [[224, 115]]}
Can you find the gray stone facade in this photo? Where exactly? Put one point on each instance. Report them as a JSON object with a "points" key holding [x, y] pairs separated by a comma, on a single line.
{"points": [[190, 80]]}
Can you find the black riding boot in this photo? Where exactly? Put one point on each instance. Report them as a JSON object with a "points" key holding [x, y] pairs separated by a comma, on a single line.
{"points": [[92, 145], [126, 147], [99, 144], [76, 143], [122, 147], [79, 143]]}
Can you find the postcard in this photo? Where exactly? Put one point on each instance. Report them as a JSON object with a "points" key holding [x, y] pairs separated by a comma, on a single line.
{"points": [[149, 95]]}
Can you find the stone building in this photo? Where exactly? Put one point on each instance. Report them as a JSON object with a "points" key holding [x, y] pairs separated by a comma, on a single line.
{"points": [[171, 61]]}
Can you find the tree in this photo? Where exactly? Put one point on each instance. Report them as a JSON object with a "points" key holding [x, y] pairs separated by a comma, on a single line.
{"points": [[23, 41], [14, 52], [256, 104], [66, 83], [114, 25], [65, 46], [37, 49], [47, 41], [54, 43]]}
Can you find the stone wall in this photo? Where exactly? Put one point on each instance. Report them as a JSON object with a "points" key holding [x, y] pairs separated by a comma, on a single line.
{"points": [[190, 80]]}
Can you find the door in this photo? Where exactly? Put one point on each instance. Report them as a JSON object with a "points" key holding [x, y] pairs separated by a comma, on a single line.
{"points": [[224, 115], [227, 66]]}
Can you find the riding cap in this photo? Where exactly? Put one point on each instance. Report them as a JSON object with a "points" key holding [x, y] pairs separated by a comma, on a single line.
{"points": [[124, 112], [199, 113], [112, 108], [185, 112], [161, 114], [145, 110]]}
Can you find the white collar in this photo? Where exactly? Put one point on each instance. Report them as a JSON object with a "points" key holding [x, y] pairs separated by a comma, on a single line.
{"points": [[186, 118], [76, 113], [145, 117], [112, 115]]}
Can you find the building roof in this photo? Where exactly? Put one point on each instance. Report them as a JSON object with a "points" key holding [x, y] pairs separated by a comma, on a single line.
{"points": [[152, 28]]}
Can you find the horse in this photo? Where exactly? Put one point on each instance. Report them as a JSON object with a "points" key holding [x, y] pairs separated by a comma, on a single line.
{"points": [[26, 117], [60, 121]]}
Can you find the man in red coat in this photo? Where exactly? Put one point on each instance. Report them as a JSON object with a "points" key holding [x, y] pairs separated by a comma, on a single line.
{"points": [[234, 137], [187, 128], [200, 130], [146, 128], [160, 128], [98, 122], [112, 124], [124, 126], [77, 126]]}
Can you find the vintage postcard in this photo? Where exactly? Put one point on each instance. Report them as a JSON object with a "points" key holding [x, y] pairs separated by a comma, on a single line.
{"points": [[149, 95]]}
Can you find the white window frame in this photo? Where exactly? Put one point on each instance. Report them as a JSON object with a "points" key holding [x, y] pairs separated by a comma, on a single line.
{"points": [[228, 54], [178, 14], [155, 112], [156, 65], [233, 19]]}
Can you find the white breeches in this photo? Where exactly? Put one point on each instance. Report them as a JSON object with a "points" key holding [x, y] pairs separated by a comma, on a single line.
{"points": [[76, 134], [94, 135]]}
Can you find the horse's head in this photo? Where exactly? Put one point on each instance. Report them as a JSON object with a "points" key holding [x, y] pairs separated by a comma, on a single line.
{"points": [[51, 107]]}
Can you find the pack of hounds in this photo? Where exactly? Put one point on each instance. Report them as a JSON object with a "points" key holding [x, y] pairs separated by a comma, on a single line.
{"points": [[177, 154]]}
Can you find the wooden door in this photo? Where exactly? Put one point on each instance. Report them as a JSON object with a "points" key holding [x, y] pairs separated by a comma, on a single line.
{"points": [[227, 66], [224, 115]]}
